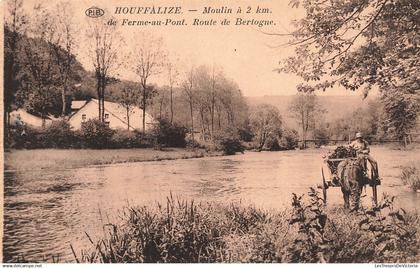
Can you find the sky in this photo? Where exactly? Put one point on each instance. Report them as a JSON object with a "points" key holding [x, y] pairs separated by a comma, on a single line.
{"points": [[245, 53]]}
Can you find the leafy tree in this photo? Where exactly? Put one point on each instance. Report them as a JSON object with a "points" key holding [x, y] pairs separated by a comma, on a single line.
{"points": [[305, 108], [14, 25], [359, 45], [266, 124], [401, 111]]}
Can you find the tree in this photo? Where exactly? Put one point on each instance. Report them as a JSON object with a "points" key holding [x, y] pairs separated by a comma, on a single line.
{"points": [[103, 52], [149, 61], [357, 44], [401, 111], [14, 25], [127, 98], [172, 79], [188, 89], [266, 124], [304, 109], [62, 45]]}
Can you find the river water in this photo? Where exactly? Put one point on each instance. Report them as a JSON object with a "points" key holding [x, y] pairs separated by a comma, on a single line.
{"points": [[45, 211]]}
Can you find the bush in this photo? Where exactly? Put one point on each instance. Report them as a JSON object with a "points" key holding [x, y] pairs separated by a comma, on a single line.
{"points": [[96, 134], [228, 142], [289, 139], [169, 135], [59, 135], [321, 137], [123, 138], [410, 175]]}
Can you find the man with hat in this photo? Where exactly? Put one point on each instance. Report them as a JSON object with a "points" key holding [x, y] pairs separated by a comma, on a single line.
{"points": [[362, 148]]}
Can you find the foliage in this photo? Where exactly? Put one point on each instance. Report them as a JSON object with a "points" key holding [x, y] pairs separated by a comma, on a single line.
{"points": [[230, 145], [305, 109], [123, 138], [360, 45], [96, 134], [356, 44], [59, 134], [401, 111], [186, 231], [169, 135], [339, 152], [321, 136], [380, 234], [410, 175], [266, 122], [289, 139]]}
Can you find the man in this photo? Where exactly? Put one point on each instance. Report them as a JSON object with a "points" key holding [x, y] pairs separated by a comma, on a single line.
{"points": [[362, 148]]}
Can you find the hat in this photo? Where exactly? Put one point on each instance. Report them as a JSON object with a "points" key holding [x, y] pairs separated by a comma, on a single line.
{"points": [[359, 135]]}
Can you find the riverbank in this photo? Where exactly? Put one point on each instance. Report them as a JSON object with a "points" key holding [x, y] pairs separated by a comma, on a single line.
{"points": [[183, 231], [41, 159]]}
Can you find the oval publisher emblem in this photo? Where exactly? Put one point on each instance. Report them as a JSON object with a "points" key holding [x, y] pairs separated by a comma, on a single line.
{"points": [[94, 12]]}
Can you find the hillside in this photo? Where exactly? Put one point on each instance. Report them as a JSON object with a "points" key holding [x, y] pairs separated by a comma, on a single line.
{"points": [[336, 106]]}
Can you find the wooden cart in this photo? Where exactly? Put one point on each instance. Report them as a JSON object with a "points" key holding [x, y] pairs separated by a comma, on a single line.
{"points": [[333, 180]]}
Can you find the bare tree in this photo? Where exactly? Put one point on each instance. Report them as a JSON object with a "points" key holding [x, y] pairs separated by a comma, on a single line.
{"points": [[149, 59], [127, 98], [63, 48], [173, 75], [188, 89], [103, 52]]}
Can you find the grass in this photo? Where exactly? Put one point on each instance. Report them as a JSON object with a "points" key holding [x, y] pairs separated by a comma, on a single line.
{"points": [[24, 160], [410, 175], [182, 231]]}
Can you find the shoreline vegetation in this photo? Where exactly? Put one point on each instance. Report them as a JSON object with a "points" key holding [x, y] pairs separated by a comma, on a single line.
{"points": [[26, 160], [183, 231]]}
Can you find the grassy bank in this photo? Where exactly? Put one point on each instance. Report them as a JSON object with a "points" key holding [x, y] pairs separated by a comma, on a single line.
{"points": [[182, 231], [24, 160]]}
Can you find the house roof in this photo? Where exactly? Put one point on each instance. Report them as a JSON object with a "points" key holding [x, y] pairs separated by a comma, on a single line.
{"points": [[77, 104], [113, 108]]}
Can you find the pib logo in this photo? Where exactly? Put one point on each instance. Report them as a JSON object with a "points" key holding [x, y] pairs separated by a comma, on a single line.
{"points": [[94, 12]]}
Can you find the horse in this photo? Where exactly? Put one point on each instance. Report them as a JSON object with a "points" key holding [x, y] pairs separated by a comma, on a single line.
{"points": [[351, 176]]}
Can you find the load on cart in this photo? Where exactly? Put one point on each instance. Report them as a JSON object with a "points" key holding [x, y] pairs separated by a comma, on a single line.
{"points": [[351, 168]]}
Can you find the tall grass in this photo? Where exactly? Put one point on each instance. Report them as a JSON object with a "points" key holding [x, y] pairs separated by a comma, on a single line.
{"points": [[410, 175], [183, 231]]}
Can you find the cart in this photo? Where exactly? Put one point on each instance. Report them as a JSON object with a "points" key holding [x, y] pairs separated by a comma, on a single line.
{"points": [[331, 165]]}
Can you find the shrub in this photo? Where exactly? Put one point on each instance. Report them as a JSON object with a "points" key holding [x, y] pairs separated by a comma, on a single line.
{"points": [[96, 134], [123, 138], [59, 135], [230, 146], [169, 135], [228, 142], [321, 136], [289, 139], [410, 175]]}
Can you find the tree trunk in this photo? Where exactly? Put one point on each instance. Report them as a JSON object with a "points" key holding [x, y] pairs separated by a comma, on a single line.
{"points": [[144, 108], [128, 117], [63, 99], [172, 106], [192, 119]]}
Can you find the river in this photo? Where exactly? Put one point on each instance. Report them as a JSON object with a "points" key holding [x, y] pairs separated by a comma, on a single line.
{"points": [[46, 211]]}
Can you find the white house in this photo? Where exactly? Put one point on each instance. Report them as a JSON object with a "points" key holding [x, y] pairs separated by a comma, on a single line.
{"points": [[115, 115], [20, 117]]}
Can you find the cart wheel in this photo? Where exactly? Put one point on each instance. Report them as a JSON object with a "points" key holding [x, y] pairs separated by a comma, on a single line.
{"points": [[324, 186], [374, 188]]}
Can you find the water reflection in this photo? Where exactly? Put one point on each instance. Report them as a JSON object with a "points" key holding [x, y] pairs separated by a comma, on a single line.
{"points": [[45, 211]]}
